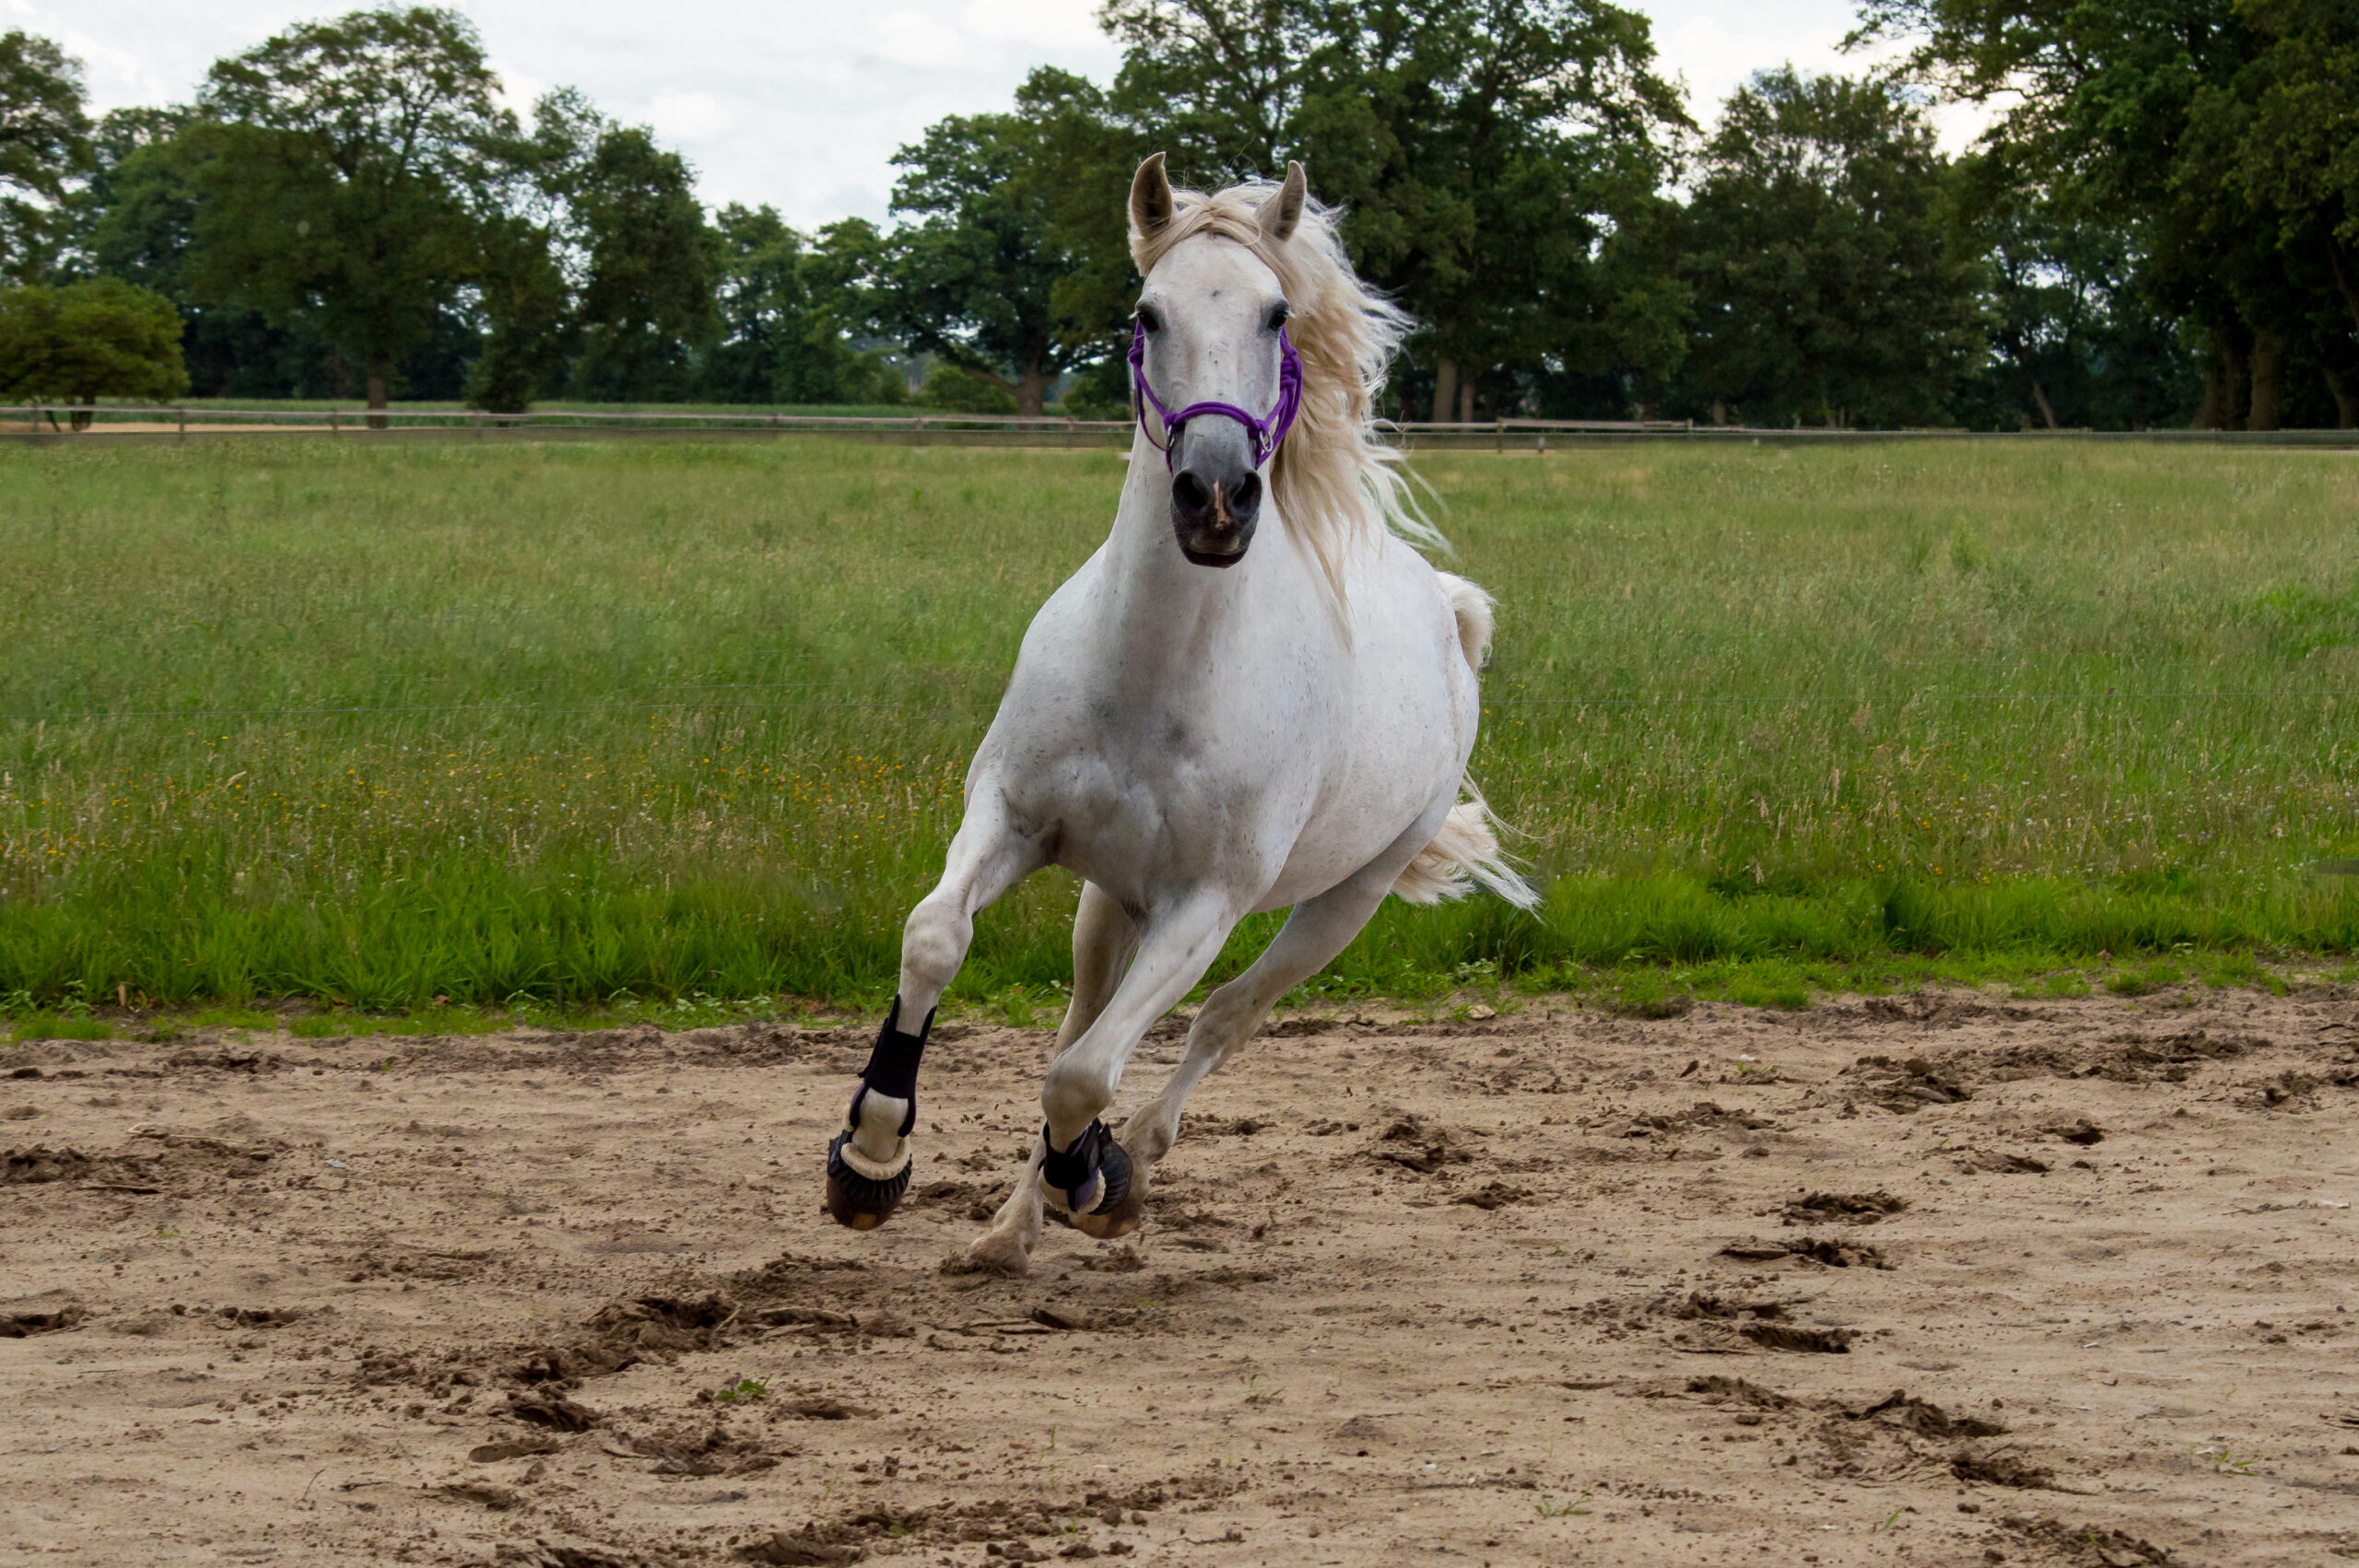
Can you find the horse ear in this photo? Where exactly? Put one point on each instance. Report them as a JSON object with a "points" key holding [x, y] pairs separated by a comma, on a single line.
{"points": [[1150, 198], [1283, 210]]}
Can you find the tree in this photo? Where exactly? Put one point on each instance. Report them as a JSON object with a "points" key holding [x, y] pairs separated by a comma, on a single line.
{"points": [[760, 301], [1487, 151], [344, 168], [527, 313], [2210, 130], [1005, 274], [44, 142], [1829, 284], [646, 310], [80, 341], [792, 311], [134, 217], [2294, 114], [2073, 341]]}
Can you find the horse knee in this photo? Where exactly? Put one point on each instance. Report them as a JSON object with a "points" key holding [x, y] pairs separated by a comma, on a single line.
{"points": [[933, 943]]}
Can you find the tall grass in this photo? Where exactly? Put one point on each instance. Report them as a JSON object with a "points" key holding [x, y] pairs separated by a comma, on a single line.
{"points": [[385, 723]]}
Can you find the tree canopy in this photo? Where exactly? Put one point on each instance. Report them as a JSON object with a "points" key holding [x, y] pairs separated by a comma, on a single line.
{"points": [[2162, 225], [2208, 132], [1002, 270], [341, 167], [79, 342], [1484, 148], [44, 142], [1828, 287]]}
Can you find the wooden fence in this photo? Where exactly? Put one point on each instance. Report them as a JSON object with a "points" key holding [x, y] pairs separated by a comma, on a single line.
{"points": [[43, 424]]}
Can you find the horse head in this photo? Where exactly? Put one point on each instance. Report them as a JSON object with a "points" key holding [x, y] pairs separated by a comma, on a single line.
{"points": [[1209, 347]]}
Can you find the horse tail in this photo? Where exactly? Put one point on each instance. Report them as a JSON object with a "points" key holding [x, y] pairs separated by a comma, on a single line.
{"points": [[1464, 855], [1472, 608]]}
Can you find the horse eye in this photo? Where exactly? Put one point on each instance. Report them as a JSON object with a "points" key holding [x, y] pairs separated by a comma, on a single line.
{"points": [[1280, 315], [1148, 319]]}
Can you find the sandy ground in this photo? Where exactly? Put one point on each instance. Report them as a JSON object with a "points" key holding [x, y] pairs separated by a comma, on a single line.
{"points": [[1939, 1280]]}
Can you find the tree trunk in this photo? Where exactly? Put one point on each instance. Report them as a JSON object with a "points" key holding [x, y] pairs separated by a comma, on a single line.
{"points": [[2346, 400], [2345, 282], [2216, 393], [2227, 380], [1466, 401], [380, 376], [1720, 412], [1445, 388], [1032, 389], [2047, 409], [2267, 382]]}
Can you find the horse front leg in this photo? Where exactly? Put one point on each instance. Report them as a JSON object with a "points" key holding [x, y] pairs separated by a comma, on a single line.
{"points": [[870, 1162], [1103, 941], [1076, 1163]]}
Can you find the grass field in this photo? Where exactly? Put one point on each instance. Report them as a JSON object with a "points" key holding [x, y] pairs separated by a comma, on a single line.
{"points": [[551, 726]]}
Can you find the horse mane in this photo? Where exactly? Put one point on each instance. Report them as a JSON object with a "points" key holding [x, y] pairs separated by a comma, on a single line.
{"points": [[1332, 480]]}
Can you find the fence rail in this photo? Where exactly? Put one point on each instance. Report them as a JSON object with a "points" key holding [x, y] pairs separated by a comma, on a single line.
{"points": [[43, 424]]}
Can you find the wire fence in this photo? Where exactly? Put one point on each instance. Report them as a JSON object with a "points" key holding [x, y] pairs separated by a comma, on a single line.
{"points": [[63, 423], [940, 709]]}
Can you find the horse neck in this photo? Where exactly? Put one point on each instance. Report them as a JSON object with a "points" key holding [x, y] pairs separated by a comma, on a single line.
{"points": [[1158, 605]]}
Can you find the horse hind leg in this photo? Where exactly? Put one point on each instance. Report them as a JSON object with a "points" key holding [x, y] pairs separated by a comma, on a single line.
{"points": [[1315, 932], [1103, 942], [1074, 1155], [870, 1163]]}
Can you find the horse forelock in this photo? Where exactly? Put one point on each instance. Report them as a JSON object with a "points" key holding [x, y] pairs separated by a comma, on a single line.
{"points": [[1333, 481]]}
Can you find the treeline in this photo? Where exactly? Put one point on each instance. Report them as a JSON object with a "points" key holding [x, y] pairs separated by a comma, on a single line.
{"points": [[2160, 227]]}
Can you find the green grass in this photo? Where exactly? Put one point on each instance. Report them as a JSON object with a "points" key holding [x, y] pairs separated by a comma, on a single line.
{"points": [[356, 405], [603, 725]]}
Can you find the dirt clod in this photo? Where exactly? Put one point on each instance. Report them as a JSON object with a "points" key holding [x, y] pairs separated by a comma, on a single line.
{"points": [[1924, 1418], [2003, 1468], [1843, 1207], [545, 1407], [1788, 1337], [1416, 1144], [1831, 1251]]}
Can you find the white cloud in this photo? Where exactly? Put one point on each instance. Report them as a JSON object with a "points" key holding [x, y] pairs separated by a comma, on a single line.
{"points": [[518, 89], [690, 118], [1716, 45], [1050, 24], [914, 38], [801, 103]]}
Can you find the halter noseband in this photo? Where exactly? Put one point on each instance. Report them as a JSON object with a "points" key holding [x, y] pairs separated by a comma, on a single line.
{"points": [[1266, 433]]}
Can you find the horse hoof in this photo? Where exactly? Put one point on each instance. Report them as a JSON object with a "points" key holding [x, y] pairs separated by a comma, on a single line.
{"points": [[1117, 1214], [860, 1202], [1002, 1255]]}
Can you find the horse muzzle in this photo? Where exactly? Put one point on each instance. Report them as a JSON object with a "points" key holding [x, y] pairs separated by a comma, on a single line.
{"points": [[1215, 501]]}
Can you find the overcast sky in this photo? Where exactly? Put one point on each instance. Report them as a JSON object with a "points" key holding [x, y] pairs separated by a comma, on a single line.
{"points": [[801, 103]]}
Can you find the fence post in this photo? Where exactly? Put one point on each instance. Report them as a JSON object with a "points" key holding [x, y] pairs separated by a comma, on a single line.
{"points": [[478, 423], [183, 413], [335, 422]]}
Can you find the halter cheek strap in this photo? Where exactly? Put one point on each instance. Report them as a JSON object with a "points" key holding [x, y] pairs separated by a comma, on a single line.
{"points": [[1266, 433]]}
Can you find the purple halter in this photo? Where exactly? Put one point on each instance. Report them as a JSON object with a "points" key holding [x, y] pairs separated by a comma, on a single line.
{"points": [[1266, 433]]}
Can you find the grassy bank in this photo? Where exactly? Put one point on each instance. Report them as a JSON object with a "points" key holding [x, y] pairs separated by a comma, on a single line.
{"points": [[547, 724]]}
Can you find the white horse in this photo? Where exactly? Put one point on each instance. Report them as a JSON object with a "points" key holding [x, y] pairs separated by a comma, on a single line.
{"points": [[1201, 731]]}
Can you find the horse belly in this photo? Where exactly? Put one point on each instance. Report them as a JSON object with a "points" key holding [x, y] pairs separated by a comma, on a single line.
{"points": [[1405, 744]]}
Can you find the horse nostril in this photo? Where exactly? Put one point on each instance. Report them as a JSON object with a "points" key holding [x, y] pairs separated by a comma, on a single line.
{"points": [[1191, 496], [1245, 498]]}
